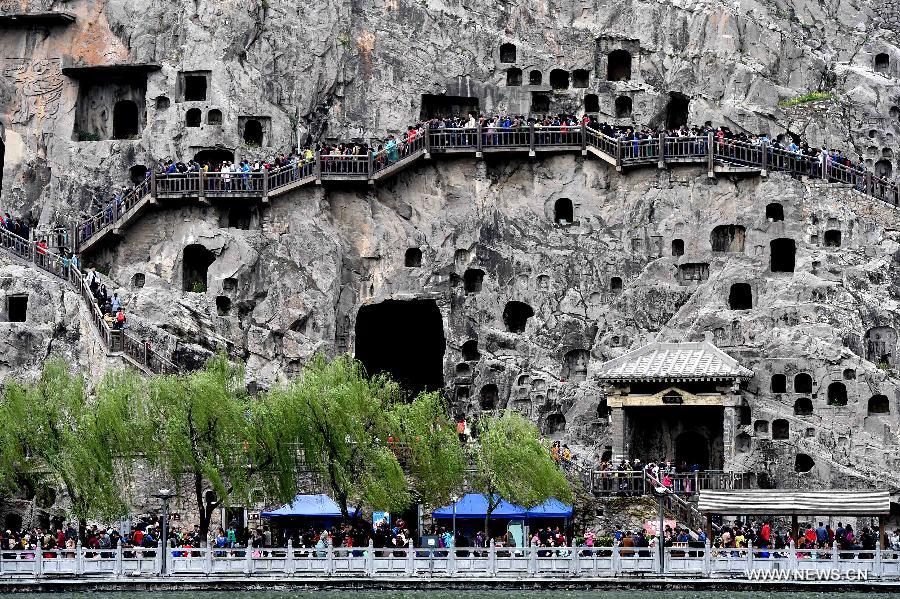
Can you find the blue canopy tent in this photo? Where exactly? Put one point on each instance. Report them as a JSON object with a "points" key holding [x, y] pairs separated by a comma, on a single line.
{"points": [[552, 508], [308, 506], [475, 505]]}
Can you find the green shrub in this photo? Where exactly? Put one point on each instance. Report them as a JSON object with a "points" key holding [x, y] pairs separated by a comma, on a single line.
{"points": [[198, 287], [810, 97], [87, 136]]}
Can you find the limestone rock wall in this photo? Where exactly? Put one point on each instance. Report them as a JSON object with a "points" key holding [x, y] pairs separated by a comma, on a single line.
{"points": [[337, 71], [294, 283]]}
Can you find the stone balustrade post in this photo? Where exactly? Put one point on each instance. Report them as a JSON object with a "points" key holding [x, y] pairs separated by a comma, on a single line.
{"points": [[248, 560], [79, 558], [38, 560], [117, 569], [834, 555], [749, 556], [208, 566], [329, 561], [792, 555], [289, 558], [410, 559], [707, 558], [451, 559], [370, 559]]}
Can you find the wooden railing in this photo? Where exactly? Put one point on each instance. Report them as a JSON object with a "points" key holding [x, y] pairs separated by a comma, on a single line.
{"points": [[660, 150], [636, 482], [115, 340]]}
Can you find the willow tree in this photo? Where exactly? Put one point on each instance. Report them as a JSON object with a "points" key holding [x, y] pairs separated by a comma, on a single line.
{"points": [[203, 432], [57, 435], [339, 421], [428, 445], [512, 463]]}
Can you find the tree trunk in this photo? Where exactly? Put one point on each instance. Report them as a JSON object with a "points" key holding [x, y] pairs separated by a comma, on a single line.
{"points": [[82, 530]]}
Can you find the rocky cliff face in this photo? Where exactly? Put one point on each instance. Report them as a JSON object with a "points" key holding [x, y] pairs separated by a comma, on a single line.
{"points": [[289, 278]]}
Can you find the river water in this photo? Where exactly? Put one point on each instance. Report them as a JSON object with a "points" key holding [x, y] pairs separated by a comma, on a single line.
{"points": [[625, 594]]}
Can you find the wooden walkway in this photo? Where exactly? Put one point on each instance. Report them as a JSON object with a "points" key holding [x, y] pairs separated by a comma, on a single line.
{"points": [[720, 157]]}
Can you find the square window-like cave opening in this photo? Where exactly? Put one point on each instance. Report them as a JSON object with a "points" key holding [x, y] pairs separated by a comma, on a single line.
{"points": [[17, 307]]}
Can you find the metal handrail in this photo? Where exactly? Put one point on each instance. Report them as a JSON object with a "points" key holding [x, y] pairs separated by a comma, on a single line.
{"points": [[115, 340]]}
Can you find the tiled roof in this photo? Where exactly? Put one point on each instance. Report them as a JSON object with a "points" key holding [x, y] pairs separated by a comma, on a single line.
{"points": [[674, 361]]}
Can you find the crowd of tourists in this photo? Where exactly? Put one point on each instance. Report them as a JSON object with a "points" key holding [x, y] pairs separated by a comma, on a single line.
{"points": [[502, 129], [110, 305], [764, 535]]}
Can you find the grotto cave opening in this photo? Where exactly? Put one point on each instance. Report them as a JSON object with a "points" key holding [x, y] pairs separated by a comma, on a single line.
{"points": [[690, 433], [404, 338]]}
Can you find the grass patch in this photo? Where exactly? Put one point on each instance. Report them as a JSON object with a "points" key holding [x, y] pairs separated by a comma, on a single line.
{"points": [[805, 98]]}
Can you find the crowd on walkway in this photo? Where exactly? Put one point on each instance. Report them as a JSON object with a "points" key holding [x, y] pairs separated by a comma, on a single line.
{"points": [[811, 540], [502, 129], [110, 306]]}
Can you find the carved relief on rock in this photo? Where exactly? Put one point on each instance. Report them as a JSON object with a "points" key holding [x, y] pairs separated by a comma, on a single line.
{"points": [[40, 83]]}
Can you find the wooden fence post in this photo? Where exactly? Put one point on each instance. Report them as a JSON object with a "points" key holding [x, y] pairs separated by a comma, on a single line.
{"points": [[479, 141], [661, 162]]}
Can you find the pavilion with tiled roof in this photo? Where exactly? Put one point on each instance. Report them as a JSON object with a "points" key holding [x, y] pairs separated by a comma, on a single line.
{"points": [[674, 401]]}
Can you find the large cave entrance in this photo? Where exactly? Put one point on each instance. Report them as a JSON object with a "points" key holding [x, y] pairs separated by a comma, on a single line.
{"points": [[405, 339], [686, 435]]}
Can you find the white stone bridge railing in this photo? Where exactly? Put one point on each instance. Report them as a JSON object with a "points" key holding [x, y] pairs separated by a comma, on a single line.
{"points": [[719, 156], [116, 341], [510, 563]]}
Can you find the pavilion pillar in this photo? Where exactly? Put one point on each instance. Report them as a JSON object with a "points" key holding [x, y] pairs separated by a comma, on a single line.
{"points": [[709, 534], [730, 423], [617, 425], [882, 533], [795, 527]]}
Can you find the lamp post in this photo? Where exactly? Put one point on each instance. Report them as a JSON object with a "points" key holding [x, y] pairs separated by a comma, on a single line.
{"points": [[165, 495], [660, 492], [454, 498]]}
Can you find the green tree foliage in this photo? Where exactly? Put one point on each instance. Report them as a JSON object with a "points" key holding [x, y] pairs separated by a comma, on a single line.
{"points": [[429, 448], [512, 463], [202, 426], [58, 436], [354, 432]]}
